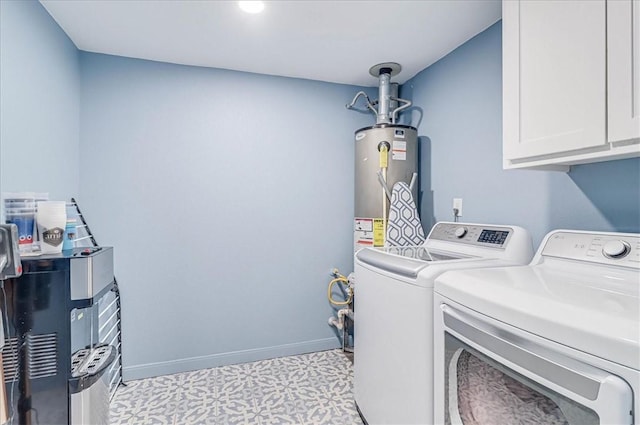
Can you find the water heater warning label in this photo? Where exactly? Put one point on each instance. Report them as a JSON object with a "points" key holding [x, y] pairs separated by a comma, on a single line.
{"points": [[368, 232], [399, 150], [364, 225]]}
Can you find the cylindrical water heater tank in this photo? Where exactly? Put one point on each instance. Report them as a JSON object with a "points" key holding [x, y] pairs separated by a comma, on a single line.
{"points": [[400, 145]]}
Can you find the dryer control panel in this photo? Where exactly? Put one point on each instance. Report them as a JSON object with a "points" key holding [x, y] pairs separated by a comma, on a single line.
{"points": [[472, 234], [620, 249]]}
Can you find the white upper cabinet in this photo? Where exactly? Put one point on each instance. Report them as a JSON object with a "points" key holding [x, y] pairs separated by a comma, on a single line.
{"points": [[558, 106], [623, 68]]}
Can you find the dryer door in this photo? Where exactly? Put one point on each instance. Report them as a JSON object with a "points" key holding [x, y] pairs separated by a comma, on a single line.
{"points": [[494, 373]]}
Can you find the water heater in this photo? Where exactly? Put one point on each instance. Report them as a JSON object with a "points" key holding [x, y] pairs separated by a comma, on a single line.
{"points": [[399, 143], [385, 154]]}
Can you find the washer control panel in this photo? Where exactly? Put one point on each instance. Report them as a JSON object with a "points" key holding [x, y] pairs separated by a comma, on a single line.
{"points": [[470, 234], [620, 249]]}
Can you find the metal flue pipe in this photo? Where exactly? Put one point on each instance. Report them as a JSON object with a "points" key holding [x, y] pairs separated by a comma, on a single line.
{"points": [[384, 96], [383, 72]]}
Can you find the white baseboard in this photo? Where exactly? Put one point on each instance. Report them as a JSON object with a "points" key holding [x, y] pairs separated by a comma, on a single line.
{"points": [[234, 357]]}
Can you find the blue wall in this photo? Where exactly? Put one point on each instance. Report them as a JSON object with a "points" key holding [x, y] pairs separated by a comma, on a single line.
{"points": [[459, 118], [39, 103], [228, 197]]}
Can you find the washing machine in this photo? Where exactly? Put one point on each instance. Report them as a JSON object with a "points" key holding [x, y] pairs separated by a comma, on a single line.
{"points": [[553, 342], [393, 364]]}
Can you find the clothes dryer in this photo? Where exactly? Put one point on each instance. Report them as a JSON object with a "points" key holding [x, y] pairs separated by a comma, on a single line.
{"points": [[554, 342], [394, 319]]}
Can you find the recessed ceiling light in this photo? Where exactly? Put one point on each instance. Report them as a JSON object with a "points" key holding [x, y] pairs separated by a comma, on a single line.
{"points": [[251, 6]]}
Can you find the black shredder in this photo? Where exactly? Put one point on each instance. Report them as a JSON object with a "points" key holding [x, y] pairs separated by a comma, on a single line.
{"points": [[59, 356]]}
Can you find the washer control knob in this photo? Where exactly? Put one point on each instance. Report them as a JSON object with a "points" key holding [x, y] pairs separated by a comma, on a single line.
{"points": [[460, 232], [616, 249]]}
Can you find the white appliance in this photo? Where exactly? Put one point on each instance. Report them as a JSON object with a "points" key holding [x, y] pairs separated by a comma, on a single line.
{"points": [[394, 313], [557, 341]]}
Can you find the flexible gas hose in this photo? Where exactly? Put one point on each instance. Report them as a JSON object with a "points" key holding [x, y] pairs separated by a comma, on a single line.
{"points": [[343, 279]]}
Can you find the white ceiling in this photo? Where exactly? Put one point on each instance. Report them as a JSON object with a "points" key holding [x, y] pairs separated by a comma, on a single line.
{"points": [[335, 41]]}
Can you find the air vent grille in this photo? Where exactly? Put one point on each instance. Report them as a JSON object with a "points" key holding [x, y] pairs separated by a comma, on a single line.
{"points": [[42, 357], [10, 359]]}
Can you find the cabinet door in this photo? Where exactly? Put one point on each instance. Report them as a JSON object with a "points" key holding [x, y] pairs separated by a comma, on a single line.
{"points": [[554, 77], [623, 66]]}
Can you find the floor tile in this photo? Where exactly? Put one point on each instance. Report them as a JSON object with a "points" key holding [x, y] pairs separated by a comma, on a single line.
{"points": [[310, 389]]}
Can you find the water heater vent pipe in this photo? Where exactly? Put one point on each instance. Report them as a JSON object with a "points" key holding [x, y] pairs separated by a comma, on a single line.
{"points": [[384, 72], [387, 100]]}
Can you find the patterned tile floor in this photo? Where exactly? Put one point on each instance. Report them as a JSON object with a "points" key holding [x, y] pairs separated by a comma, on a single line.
{"points": [[310, 389]]}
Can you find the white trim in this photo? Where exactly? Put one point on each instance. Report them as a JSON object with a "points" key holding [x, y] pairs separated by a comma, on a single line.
{"points": [[222, 359]]}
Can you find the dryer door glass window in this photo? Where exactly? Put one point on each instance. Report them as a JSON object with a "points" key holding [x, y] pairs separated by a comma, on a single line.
{"points": [[481, 391]]}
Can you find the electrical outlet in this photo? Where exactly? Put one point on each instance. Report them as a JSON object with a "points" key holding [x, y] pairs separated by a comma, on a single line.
{"points": [[457, 204]]}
